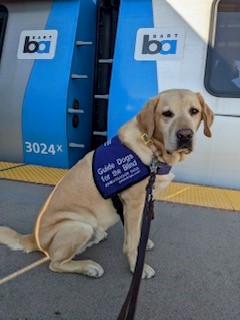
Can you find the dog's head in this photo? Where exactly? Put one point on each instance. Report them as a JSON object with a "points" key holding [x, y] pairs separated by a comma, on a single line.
{"points": [[173, 117]]}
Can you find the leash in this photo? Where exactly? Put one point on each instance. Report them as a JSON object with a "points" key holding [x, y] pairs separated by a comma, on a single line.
{"points": [[129, 307], [117, 203]]}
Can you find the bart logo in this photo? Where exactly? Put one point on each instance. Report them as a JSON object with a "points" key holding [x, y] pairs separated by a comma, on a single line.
{"points": [[159, 44], [155, 46], [37, 44]]}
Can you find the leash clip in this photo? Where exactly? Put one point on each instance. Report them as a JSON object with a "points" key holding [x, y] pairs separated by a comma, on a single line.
{"points": [[155, 165]]}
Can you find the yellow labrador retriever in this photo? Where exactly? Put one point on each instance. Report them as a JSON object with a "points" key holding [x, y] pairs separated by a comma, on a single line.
{"points": [[75, 216]]}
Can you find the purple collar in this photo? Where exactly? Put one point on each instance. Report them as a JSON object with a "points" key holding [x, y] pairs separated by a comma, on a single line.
{"points": [[163, 169]]}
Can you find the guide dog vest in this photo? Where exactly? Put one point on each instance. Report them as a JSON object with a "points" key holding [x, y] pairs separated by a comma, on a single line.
{"points": [[116, 168]]}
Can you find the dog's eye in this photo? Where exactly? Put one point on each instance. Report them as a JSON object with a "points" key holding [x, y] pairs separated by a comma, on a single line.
{"points": [[168, 114], [194, 111]]}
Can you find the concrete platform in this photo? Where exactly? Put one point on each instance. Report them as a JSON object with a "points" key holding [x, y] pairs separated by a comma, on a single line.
{"points": [[196, 259]]}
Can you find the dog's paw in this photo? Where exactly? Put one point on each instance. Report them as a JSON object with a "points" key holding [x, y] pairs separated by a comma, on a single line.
{"points": [[150, 245], [148, 272], [93, 270], [100, 234]]}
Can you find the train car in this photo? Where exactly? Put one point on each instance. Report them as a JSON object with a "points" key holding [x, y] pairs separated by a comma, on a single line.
{"points": [[164, 44], [159, 45]]}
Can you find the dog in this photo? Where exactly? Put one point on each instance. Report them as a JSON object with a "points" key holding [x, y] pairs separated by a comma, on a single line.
{"points": [[76, 214]]}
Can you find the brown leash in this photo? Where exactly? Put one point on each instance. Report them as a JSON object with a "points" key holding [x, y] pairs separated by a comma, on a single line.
{"points": [[129, 307]]}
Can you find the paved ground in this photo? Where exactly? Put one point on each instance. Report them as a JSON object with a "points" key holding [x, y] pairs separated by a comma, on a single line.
{"points": [[196, 259]]}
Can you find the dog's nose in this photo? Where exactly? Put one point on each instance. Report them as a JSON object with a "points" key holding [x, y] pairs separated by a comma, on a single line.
{"points": [[184, 135]]}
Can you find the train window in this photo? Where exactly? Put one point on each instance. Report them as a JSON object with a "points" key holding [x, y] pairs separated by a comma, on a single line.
{"points": [[222, 76], [3, 23]]}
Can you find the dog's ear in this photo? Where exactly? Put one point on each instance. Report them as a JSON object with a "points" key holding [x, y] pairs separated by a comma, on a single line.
{"points": [[207, 116], [146, 117]]}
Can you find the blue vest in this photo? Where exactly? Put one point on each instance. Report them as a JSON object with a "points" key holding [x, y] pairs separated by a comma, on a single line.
{"points": [[116, 168]]}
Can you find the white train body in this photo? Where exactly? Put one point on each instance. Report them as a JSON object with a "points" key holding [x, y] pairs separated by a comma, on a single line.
{"points": [[216, 161]]}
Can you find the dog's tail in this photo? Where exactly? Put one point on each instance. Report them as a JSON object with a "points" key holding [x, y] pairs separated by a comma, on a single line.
{"points": [[16, 241]]}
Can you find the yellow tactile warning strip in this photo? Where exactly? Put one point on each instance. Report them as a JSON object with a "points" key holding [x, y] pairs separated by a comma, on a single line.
{"points": [[201, 196], [35, 174], [9, 165], [183, 193]]}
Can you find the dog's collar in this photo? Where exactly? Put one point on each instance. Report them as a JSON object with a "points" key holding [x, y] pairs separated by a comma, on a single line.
{"points": [[161, 168], [149, 143], [146, 139]]}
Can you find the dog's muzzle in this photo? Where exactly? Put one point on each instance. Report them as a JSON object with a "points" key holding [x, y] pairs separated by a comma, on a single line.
{"points": [[185, 139]]}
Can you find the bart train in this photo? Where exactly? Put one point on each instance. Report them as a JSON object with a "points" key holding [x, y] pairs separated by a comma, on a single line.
{"points": [[67, 83]]}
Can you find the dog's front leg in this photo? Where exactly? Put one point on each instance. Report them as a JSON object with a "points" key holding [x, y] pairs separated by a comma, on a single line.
{"points": [[133, 207]]}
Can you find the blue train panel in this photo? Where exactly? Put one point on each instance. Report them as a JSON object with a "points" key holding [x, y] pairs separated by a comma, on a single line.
{"points": [[48, 104], [133, 82]]}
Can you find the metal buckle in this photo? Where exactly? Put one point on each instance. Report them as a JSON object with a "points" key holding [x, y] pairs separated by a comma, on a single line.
{"points": [[154, 165], [145, 139]]}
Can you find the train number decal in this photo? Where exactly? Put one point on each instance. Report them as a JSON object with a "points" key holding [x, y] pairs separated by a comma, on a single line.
{"points": [[43, 148]]}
